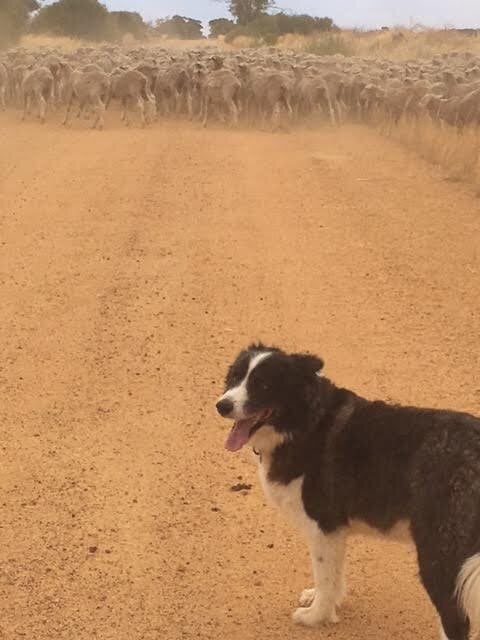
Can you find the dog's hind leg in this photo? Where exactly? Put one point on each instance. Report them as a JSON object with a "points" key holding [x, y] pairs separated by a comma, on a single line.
{"points": [[454, 626], [442, 634], [327, 554], [440, 587]]}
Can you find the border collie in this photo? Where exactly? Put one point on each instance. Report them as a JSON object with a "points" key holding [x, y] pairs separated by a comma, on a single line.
{"points": [[334, 463]]}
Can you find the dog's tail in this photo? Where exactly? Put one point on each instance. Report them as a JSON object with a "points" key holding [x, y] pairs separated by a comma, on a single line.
{"points": [[468, 591]]}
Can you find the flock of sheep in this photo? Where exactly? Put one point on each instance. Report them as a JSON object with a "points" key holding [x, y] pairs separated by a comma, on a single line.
{"points": [[266, 87]]}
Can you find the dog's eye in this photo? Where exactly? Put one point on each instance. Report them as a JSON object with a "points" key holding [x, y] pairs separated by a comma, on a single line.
{"points": [[264, 386]]}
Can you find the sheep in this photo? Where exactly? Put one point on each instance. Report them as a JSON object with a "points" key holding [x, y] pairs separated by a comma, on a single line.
{"points": [[3, 86], [222, 92], [173, 88], [270, 92], [91, 89], [54, 63], [37, 85], [263, 87], [18, 74], [468, 109], [131, 88]]}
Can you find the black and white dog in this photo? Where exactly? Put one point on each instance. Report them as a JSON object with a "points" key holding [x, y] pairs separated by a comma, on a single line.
{"points": [[336, 463]]}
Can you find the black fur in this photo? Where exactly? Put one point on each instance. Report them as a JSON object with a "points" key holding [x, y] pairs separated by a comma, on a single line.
{"points": [[375, 462]]}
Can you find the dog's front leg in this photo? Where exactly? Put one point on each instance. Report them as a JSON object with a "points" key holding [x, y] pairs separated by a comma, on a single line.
{"points": [[307, 596], [328, 554]]}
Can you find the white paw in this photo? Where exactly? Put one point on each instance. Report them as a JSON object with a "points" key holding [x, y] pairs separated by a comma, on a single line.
{"points": [[306, 597], [314, 616]]}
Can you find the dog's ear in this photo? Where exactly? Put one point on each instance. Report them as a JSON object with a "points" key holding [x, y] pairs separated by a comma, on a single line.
{"points": [[308, 364], [260, 346], [256, 346]]}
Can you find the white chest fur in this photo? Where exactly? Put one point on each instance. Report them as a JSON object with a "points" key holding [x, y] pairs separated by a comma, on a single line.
{"points": [[286, 498]]}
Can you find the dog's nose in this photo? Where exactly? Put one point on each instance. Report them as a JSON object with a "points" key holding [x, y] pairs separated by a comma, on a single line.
{"points": [[224, 407]]}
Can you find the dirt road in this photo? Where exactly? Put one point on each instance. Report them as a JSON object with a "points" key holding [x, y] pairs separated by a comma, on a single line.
{"points": [[134, 264]]}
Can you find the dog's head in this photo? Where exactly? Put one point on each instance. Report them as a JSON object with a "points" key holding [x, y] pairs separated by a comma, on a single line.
{"points": [[265, 386]]}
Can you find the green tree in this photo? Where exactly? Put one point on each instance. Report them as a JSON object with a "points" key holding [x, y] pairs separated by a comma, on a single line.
{"points": [[14, 19], [75, 18], [245, 11], [302, 23], [267, 28], [220, 27], [179, 27], [129, 22]]}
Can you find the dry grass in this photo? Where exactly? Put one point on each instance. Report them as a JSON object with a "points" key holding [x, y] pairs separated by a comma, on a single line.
{"points": [[455, 153], [67, 45], [244, 42], [405, 44], [170, 43], [397, 44]]}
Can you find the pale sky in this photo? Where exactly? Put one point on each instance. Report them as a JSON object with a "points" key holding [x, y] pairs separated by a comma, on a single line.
{"points": [[345, 13]]}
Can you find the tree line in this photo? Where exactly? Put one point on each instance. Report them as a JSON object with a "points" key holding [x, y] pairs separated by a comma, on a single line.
{"points": [[91, 20]]}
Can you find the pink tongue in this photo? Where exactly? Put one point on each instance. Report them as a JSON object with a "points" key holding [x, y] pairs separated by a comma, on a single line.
{"points": [[239, 434]]}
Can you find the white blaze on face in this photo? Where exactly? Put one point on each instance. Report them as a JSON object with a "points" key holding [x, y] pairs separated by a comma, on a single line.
{"points": [[239, 394]]}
